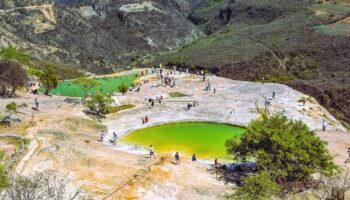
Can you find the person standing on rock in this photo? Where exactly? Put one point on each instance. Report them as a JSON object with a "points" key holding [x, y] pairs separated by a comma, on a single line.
{"points": [[177, 158], [151, 152], [273, 94], [102, 135], [324, 125], [114, 138], [36, 102], [194, 158], [216, 167]]}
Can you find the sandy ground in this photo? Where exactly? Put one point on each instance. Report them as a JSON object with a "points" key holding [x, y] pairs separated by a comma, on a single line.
{"points": [[63, 138]]}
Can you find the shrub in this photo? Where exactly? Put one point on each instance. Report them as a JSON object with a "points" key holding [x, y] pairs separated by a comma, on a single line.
{"points": [[257, 187], [123, 88], [49, 79]]}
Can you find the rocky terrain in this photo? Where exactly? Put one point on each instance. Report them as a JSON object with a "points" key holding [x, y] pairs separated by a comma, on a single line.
{"points": [[303, 44]]}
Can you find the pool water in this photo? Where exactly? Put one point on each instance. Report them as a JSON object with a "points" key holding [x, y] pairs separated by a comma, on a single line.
{"points": [[107, 85], [206, 140]]}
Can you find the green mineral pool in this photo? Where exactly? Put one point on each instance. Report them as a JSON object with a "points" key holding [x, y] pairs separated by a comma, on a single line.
{"points": [[107, 85], [206, 140]]}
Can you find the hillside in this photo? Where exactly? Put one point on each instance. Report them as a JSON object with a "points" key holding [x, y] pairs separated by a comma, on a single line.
{"points": [[95, 35]]}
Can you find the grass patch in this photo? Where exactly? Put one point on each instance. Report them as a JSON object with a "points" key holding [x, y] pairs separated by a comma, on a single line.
{"points": [[177, 94], [120, 108]]}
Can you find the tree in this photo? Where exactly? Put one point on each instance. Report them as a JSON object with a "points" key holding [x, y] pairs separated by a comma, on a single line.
{"points": [[99, 103], [123, 88], [257, 187], [86, 84], [49, 79], [45, 185], [287, 149], [11, 74], [3, 177]]}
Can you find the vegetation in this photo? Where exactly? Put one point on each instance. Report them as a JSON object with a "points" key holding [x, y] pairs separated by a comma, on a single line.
{"points": [[257, 187], [98, 104], [123, 88], [86, 84], [177, 94], [13, 75], [49, 79], [287, 149], [13, 54], [10, 109], [111, 109], [3, 177], [45, 185]]}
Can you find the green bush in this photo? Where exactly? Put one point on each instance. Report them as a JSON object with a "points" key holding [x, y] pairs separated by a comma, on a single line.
{"points": [[123, 88], [287, 149]]}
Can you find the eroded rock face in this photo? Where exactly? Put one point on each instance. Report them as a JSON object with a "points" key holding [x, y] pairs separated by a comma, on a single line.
{"points": [[96, 34]]}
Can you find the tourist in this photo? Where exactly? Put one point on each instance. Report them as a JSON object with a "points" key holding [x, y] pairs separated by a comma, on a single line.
{"points": [[273, 94], [102, 135], [114, 138], [152, 103], [36, 102], [324, 125], [194, 158], [143, 120], [151, 152], [216, 167], [189, 105], [146, 119], [214, 90], [187, 71], [204, 76], [177, 158]]}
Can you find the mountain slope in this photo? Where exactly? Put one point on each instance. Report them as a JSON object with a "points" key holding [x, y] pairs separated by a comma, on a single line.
{"points": [[305, 45], [96, 35]]}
